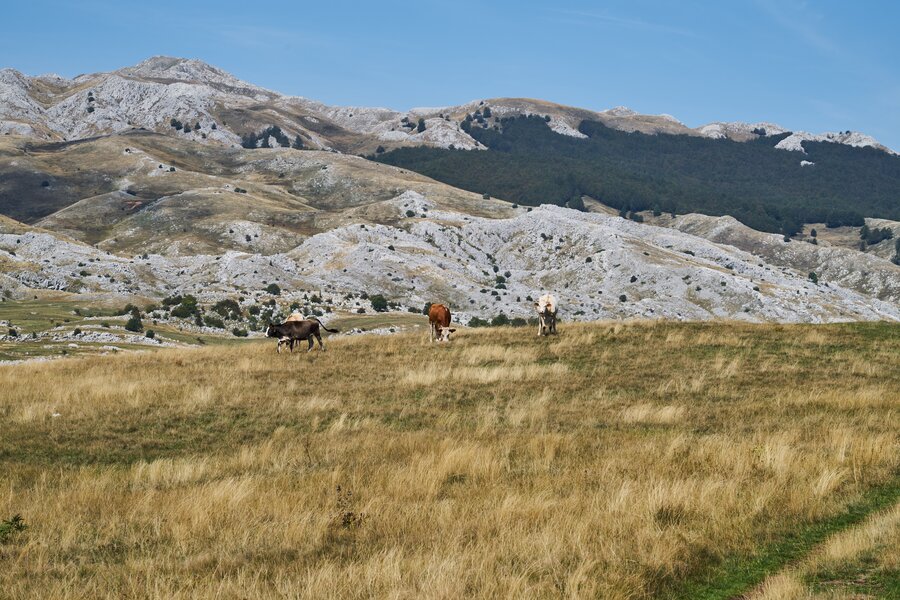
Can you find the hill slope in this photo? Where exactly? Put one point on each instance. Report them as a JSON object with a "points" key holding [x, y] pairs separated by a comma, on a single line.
{"points": [[764, 187], [600, 266], [143, 192]]}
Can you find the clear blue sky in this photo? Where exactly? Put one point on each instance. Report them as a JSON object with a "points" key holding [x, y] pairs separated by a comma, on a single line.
{"points": [[810, 65]]}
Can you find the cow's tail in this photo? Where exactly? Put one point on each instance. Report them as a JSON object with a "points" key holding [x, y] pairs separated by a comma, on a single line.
{"points": [[322, 325]]}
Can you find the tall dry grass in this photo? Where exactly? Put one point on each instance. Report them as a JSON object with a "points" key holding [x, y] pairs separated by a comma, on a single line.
{"points": [[612, 461]]}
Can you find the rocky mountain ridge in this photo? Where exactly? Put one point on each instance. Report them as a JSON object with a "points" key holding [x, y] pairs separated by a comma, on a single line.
{"points": [[220, 108]]}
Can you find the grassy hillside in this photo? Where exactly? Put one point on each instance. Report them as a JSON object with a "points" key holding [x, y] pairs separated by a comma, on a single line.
{"points": [[143, 192], [615, 461], [762, 186]]}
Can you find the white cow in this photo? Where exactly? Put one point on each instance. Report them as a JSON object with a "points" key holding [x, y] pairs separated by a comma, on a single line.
{"points": [[546, 308]]}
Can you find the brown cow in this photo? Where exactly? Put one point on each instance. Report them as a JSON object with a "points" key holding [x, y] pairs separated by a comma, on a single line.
{"points": [[439, 320]]}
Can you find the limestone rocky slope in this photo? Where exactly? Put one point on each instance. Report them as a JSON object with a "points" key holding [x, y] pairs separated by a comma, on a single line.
{"points": [[600, 266]]}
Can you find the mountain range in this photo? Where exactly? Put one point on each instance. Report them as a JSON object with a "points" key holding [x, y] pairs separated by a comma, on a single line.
{"points": [[173, 176]]}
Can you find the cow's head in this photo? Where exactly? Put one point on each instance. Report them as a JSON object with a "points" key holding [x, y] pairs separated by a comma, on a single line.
{"points": [[270, 331], [445, 334]]}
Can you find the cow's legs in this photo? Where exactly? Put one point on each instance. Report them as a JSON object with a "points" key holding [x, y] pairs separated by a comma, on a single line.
{"points": [[321, 345], [540, 325], [310, 340], [431, 331]]}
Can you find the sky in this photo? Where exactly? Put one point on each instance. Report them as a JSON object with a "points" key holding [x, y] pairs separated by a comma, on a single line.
{"points": [[826, 65]]}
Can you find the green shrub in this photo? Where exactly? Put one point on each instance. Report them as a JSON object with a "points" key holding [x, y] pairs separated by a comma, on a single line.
{"points": [[183, 311], [213, 321], [134, 324], [227, 308], [239, 332], [500, 320], [379, 303], [10, 527], [273, 289], [150, 334]]}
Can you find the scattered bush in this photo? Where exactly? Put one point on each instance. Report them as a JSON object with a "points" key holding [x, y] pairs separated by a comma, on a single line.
{"points": [[874, 236], [239, 332], [228, 309], [273, 289], [478, 322], [150, 334], [500, 320], [10, 527], [622, 298], [379, 303], [813, 277], [134, 324], [213, 321]]}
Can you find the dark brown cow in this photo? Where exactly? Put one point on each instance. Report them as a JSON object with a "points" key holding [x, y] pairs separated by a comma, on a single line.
{"points": [[439, 320], [293, 331]]}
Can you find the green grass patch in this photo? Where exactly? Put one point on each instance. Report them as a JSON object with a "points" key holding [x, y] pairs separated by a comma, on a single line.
{"points": [[736, 575]]}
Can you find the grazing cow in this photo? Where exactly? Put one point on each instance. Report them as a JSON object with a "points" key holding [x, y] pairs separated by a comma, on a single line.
{"points": [[439, 320], [294, 316], [546, 308], [292, 331]]}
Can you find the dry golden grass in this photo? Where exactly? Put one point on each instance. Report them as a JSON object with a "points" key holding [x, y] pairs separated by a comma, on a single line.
{"points": [[613, 461]]}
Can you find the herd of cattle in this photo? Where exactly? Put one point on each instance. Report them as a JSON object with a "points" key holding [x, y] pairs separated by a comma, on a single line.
{"points": [[297, 328]]}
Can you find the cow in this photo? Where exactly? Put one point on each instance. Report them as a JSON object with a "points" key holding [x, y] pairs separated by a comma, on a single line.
{"points": [[439, 322], [294, 316], [546, 307], [291, 331]]}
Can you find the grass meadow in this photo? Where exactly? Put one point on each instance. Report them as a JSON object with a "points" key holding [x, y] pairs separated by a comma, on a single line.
{"points": [[615, 460]]}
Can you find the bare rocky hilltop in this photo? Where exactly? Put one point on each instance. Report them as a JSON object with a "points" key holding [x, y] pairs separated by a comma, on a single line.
{"points": [[211, 106]]}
